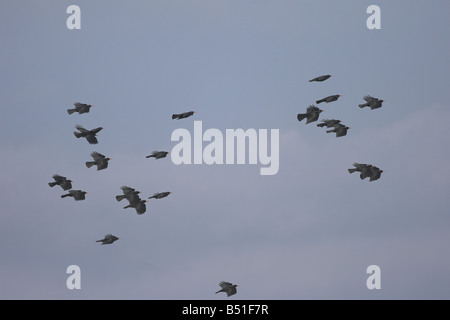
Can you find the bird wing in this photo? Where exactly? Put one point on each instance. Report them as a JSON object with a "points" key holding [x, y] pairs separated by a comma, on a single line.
{"points": [[59, 178], [97, 156], [126, 189], [231, 290], [96, 130], [81, 128], [312, 108], [369, 99], [224, 284], [91, 139]]}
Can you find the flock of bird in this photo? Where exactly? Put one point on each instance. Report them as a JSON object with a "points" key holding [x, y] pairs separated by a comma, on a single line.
{"points": [[132, 195], [128, 193], [312, 115]]}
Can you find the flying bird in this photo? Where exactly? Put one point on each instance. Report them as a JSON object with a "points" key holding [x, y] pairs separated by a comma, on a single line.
{"points": [[108, 239], [100, 160], [371, 102], [366, 170], [321, 78], [61, 181], [329, 123], [329, 99], [80, 108], [228, 288], [76, 194], [182, 115], [340, 129], [139, 206], [311, 115], [160, 195], [158, 154], [90, 135], [130, 194]]}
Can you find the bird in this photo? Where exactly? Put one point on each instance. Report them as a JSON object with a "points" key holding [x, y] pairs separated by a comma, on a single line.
{"points": [[366, 171], [340, 129], [108, 239], [182, 115], [80, 108], [311, 115], [373, 103], [61, 181], [321, 78], [90, 135], [139, 206], [228, 288], [158, 154], [100, 160], [329, 99], [160, 195], [130, 194], [329, 123], [76, 194]]}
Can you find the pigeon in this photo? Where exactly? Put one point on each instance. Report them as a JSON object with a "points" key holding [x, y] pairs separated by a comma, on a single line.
{"points": [[228, 288], [311, 115], [160, 195], [329, 123], [340, 129], [109, 238], [373, 103], [321, 78], [183, 115], [100, 160], [88, 134], [329, 99], [76, 194], [61, 181], [158, 154], [139, 206], [80, 108]]}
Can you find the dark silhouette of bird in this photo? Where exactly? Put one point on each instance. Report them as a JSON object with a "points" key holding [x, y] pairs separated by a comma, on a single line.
{"points": [[61, 181], [108, 239], [76, 194], [371, 102], [80, 108], [228, 288], [90, 135], [366, 170], [329, 123], [321, 78], [130, 194], [340, 129], [158, 154], [100, 160], [139, 206], [160, 195], [182, 115], [311, 115], [329, 99]]}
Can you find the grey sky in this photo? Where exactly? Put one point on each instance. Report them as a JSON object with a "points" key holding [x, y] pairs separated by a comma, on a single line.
{"points": [[308, 232]]}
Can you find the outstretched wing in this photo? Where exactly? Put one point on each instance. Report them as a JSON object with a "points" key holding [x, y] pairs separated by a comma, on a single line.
{"points": [[225, 284], [312, 109], [369, 99], [91, 139], [81, 128], [96, 155], [127, 190]]}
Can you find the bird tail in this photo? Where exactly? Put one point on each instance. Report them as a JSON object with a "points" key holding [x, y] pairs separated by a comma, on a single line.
{"points": [[218, 291], [128, 206], [332, 130], [321, 124], [151, 154], [352, 170], [65, 195], [363, 105], [70, 111], [77, 134], [120, 197], [52, 184], [175, 116], [319, 101], [99, 241], [90, 163], [301, 116]]}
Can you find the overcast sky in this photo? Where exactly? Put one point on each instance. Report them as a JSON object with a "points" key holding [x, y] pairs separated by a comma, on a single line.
{"points": [[308, 232]]}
